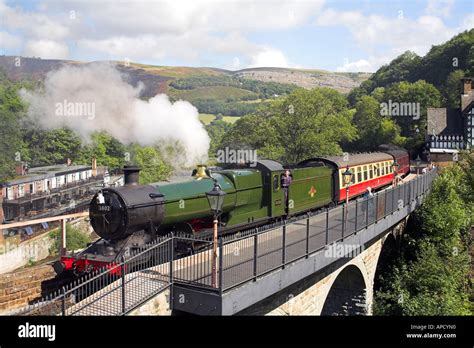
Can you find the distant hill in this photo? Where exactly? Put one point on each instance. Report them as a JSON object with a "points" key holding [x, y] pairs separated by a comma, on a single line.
{"points": [[212, 90], [342, 82]]}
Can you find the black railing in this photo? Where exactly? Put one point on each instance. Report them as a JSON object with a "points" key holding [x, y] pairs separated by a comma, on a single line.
{"points": [[115, 290], [266, 251], [242, 257]]}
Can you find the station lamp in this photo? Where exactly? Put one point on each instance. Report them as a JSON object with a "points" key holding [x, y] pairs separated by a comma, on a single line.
{"points": [[215, 198]]}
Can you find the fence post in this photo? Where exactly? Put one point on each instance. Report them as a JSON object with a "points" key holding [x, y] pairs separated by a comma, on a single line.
{"points": [[62, 248], [221, 263], [284, 245], [355, 227], [63, 302], [344, 208], [255, 255], [307, 237], [377, 207], [122, 273], [367, 213], [171, 270], [171, 257], [393, 200], [327, 226]]}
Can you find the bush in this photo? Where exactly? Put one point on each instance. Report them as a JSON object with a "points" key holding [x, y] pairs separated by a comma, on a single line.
{"points": [[75, 239]]}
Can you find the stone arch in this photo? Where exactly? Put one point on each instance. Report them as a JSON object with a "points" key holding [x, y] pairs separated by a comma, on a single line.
{"points": [[388, 251], [347, 294]]}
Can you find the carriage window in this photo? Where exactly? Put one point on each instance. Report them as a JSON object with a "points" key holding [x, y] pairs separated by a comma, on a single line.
{"points": [[371, 172], [359, 174], [276, 184], [382, 170], [365, 173]]}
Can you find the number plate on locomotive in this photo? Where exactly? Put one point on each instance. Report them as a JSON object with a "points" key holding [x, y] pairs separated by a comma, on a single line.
{"points": [[104, 208]]}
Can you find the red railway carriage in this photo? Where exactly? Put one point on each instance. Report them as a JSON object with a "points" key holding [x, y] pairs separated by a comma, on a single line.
{"points": [[403, 160], [372, 170]]}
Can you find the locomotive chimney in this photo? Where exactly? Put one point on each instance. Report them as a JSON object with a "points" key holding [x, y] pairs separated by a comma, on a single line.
{"points": [[131, 175]]}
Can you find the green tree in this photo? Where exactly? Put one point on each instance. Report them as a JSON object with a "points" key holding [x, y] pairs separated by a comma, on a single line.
{"points": [[374, 129], [149, 159], [431, 275], [46, 147], [253, 132], [75, 239], [216, 130], [11, 112], [452, 90], [107, 150], [310, 123], [419, 92]]}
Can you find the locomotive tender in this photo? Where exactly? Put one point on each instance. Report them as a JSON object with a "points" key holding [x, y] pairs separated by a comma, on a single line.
{"points": [[128, 217]]}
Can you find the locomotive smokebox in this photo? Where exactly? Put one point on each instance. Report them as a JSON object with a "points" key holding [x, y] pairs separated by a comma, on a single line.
{"points": [[131, 175]]}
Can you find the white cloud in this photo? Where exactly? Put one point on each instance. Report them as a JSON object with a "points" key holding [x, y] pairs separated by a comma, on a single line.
{"points": [[269, 57], [468, 22], [235, 63], [171, 29], [360, 65], [32, 25], [46, 49], [383, 38], [440, 8], [9, 41]]}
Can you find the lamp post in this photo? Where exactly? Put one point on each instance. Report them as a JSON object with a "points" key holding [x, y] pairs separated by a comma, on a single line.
{"points": [[395, 167], [215, 198], [347, 177]]}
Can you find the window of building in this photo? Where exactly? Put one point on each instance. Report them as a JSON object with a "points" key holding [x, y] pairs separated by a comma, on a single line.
{"points": [[21, 190]]}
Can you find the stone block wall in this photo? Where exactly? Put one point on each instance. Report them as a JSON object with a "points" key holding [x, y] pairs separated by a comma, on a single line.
{"points": [[17, 289]]}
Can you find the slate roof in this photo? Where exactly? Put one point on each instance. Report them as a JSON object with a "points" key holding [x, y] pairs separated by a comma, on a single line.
{"points": [[444, 121]]}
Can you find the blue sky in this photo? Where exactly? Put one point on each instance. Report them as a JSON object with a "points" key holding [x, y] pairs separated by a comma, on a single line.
{"points": [[332, 35]]}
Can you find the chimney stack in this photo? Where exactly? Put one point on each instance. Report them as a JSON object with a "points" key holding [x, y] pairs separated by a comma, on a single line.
{"points": [[20, 168], [466, 85], [94, 166], [131, 175]]}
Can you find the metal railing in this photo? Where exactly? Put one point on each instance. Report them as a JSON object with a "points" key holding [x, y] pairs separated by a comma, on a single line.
{"points": [[242, 257], [115, 290], [252, 256]]}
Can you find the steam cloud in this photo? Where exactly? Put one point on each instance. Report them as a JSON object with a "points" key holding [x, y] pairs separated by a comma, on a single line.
{"points": [[95, 97]]}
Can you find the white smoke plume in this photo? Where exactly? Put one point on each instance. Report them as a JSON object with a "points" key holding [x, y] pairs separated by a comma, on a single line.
{"points": [[95, 97]]}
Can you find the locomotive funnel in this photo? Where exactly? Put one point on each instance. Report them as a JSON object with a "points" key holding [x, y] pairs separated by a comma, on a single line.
{"points": [[131, 175]]}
